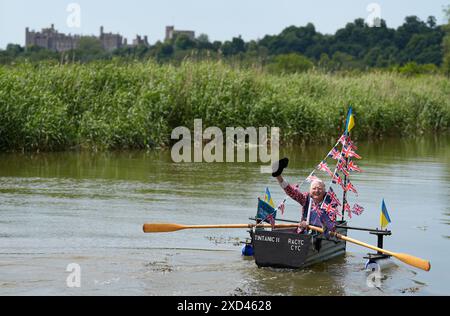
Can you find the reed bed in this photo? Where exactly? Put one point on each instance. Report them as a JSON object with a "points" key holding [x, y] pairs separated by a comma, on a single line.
{"points": [[113, 105]]}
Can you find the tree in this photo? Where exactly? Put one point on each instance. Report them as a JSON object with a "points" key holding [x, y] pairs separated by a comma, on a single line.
{"points": [[216, 45], [446, 43], [413, 25], [14, 50], [431, 21], [324, 62], [162, 51], [203, 42], [184, 42], [236, 46], [424, 49], [341, 61], [90, 45]]}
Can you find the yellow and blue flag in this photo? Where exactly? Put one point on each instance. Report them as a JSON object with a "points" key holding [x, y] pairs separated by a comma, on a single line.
{"points": [[350, 121], [384, 217], [268, 198]]}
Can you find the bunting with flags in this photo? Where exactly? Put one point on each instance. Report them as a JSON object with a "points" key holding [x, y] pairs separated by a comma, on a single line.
{"points": [[342, 153]]}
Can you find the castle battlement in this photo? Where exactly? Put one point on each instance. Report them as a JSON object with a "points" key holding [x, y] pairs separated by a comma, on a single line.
{"points": [[51, 39]]}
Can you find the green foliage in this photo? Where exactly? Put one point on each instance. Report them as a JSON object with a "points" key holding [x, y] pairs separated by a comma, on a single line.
{"points": [[446, 44], [290, 63], [412, 69], [236, 46], [109, 105], [183, 42], [90, 45], [357, 46]]}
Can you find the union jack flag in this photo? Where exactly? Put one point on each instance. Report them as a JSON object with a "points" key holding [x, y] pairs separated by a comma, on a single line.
{"points": [[329, 208], [351, 144], [353, 167], [335, 154], [317, 209], [348, 210], [333, 196], [357, 209], [341, 167], [346, 151], [324, 167], [338, 180], [332, 216], [349, 152], [350, 187], [343, 140], [271, 220], [343, 161], [282, 206]]}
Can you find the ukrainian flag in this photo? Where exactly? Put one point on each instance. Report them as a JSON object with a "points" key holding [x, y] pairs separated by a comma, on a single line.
{"points": [[384, 217], [350, 121], [268, 198]]}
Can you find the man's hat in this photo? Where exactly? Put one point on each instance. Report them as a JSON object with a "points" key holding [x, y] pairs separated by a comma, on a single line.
{"points": [[279, 166]]}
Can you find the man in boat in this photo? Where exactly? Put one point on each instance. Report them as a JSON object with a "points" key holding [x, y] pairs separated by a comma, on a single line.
{"points": [[311, 201]]}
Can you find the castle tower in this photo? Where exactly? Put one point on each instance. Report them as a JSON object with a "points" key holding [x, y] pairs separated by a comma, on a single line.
{"points": [[169, 32], [27, 37]]}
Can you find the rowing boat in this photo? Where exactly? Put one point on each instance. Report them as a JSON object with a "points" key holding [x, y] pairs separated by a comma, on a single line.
{"points": [[285, 248]]}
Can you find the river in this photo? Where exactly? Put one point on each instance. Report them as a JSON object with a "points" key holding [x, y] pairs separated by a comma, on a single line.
{"points": [[88, 209]]}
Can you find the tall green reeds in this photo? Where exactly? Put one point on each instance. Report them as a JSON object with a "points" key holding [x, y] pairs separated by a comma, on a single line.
{"points": [[112, 105]]}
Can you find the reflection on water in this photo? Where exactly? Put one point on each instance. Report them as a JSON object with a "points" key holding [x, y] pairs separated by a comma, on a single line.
{"points": [[89, 208]]}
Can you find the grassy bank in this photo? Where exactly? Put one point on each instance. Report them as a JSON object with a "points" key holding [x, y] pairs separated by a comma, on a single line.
{"points": [[108, 105]]}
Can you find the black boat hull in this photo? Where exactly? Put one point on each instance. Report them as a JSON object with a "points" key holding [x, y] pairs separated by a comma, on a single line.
{"points": [[284, 248]]}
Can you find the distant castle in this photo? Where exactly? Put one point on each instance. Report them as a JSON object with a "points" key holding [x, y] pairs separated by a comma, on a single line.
{"points": [[171, 33], [51, 39]]}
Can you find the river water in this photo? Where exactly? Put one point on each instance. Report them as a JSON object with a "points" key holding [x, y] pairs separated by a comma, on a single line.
{"points": [[88, 209]]}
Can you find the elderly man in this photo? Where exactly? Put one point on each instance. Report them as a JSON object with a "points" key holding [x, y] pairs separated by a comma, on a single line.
{"points": [[310, 201]]}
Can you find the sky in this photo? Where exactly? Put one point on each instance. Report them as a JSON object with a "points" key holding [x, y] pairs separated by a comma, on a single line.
{"points": [[219, 19]]}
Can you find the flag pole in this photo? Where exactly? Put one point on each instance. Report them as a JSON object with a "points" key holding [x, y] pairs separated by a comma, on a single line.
{"points": [[347, 135], [344, 198], [308, 216]]}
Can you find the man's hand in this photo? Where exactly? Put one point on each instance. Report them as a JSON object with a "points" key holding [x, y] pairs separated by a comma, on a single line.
{"points": [[303, 225], [279, 166]]}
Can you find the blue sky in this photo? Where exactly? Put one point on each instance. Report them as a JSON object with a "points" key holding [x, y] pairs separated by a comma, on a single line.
{"points": [[221, 20]]}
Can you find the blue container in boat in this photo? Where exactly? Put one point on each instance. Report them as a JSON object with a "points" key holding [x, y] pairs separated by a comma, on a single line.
{"points": [[247, 250]]}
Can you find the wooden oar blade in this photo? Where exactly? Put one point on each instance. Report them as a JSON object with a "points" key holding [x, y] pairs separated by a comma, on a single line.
{"points": [[408, 259], [414, 261], [162, 228]]}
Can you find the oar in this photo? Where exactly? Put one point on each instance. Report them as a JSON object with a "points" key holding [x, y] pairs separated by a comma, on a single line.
{"points": [[169, 227], [408, 259]]}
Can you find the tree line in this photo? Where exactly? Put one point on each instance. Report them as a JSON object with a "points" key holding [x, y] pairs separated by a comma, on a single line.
{"points": [[415, 46]]}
